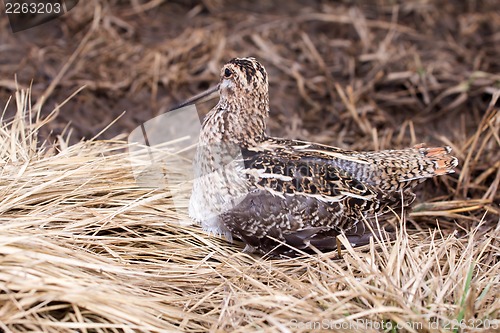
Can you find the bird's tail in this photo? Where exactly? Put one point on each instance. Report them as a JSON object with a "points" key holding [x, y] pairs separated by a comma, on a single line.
{"points": [[391, 170], [443, 162]]}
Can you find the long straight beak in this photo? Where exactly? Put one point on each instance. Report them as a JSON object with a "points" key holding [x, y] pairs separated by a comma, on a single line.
{"points": [[205, 96]]}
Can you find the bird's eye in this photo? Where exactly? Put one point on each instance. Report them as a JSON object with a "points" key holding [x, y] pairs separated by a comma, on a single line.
{"points": [[228, 73]]}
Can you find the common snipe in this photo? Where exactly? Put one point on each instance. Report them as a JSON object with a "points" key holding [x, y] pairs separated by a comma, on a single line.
{"points": [[267, 191]]}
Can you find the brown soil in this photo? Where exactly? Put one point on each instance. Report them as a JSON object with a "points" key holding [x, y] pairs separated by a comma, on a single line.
{"points": [[375, 75]]}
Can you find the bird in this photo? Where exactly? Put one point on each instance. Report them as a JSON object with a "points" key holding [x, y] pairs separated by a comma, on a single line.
{"points": [[280, 195]]}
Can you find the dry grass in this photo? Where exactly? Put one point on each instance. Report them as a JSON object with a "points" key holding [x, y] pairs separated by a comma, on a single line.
{"points": [[85, 248]]}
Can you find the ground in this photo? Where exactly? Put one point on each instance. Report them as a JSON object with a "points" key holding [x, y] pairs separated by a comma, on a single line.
{"points": [[363, 75]]}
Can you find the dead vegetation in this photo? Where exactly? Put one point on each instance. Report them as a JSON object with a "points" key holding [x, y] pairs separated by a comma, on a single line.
{"points": [[84, 248]]}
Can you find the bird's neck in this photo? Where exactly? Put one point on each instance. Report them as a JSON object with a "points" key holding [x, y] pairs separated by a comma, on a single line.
{"points": [[242, 123]]}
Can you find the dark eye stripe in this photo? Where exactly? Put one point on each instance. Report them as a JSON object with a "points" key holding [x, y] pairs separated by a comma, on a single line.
{"points": [[247, 66]]}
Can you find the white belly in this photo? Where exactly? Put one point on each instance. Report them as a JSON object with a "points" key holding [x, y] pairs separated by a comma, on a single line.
{"points": [[216, 193]]}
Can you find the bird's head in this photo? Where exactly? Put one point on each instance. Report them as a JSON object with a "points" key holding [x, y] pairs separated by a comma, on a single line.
{"points": [[243, 78], [243, 106]]}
